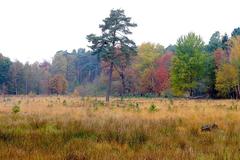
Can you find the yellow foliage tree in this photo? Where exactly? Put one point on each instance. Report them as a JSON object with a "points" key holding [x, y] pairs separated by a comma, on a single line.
{"points": [[235, 51], [143, 64], [147, 54], [227, 80], [57, 84]]}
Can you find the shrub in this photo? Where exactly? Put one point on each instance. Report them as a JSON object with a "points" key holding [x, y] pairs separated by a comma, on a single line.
{"points": [[15, 109], [137, 107], [152, 108]]}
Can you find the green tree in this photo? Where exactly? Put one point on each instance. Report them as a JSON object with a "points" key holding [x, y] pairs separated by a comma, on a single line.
{"points": [[226, 46], [87, 67], [27, 77], [115, 29], [188, 65], [5, 64], [71, 72], [171, 48], [236, 32], [16, 82], [36, 78], [209, 79], [59, 63], [215, 42], [225, 41]]}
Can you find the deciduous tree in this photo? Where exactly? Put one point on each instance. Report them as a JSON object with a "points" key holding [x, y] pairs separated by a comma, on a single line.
{"points": [[58, 84], [227, 80], [162, 73], [16, 83], [188, 64]]}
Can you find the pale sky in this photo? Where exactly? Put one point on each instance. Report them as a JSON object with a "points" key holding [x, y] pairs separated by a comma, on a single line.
{"points": [[34, 30]]}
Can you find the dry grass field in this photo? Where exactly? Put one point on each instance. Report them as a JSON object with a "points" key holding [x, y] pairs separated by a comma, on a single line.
{"points": [[74, 128]]}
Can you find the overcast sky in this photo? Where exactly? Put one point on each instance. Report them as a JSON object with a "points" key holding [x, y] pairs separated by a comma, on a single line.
{"points": [[33, 30]]}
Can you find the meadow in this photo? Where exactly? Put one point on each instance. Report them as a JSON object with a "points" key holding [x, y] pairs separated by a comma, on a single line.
{"points": [[82, 128]]}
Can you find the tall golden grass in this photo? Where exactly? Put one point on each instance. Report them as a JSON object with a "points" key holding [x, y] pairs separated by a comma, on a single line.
{"points": [[72, 128]]}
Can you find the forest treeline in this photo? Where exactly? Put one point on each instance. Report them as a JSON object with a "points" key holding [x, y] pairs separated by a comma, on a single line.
{"points": [[189, 68]]}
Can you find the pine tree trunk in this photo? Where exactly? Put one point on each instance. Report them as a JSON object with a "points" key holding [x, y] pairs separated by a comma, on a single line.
{"points": [[109, 82], [123, 85]]}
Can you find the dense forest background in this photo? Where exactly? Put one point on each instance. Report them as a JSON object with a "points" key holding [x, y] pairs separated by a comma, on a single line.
{"points": [[189, 68]]}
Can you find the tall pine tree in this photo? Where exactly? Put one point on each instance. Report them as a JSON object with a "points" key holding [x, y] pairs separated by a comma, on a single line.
{"points": [[115, 29]]}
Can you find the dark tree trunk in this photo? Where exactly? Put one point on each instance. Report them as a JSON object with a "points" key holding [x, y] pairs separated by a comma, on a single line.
{"points": [[123, 85], [190, 92], [238, 91], [109, 82]]}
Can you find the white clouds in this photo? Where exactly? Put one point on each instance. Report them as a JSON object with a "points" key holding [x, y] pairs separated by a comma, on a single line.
{"points": [[35, 29]]}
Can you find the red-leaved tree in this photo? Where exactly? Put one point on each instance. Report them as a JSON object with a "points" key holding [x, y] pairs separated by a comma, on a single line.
{"points": [[162, 74], [219, 57]]}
